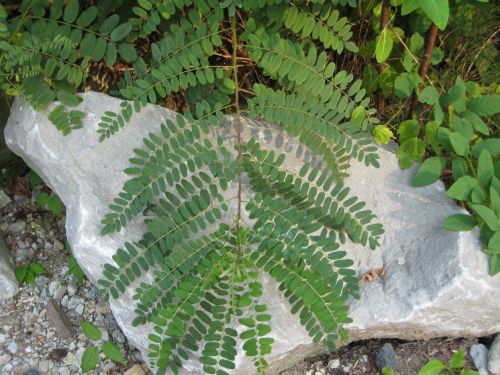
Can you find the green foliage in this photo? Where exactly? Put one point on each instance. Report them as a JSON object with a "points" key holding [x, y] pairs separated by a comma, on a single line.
{"points": [[436, 367], [90, 357], [207, 263], [456, 366], [44, 200], [28, 273], [73, 266], [461, 142], [279, 61]]}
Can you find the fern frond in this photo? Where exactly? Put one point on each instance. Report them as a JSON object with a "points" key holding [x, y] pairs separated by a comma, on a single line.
{"points": [[310, 190], [322, 312], [319, 252], [179, 262], [151, 12], [311, 73], [320, 22], [166, 162], [181, 62], [170, 323], [318, 125], [256, 343]]}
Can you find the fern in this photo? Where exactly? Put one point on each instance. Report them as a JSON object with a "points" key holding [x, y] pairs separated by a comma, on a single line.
{"points": [[206, 249], [223, 214]]}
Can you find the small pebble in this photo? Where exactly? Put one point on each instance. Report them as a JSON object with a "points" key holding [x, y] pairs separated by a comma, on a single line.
{"points": [[72, 288], [334, 363], [31, 372], [17, 227], [59, 293], [12, 347], [385, 357]]}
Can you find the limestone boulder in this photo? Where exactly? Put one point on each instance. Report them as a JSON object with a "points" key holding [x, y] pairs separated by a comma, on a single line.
{"points": [[435, 281]]}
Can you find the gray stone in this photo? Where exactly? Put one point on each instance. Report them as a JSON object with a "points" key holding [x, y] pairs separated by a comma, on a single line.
{"points": [[12, 347], [72, 288], [31, 372], [4, 358], [59, 319], [17, 227], [436, 281], [494, 356], [8, 281], [479, 355], [385, 357], [4, 199], [334, 363]]}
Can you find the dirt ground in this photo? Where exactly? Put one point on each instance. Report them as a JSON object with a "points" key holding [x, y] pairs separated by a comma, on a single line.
{"points": [[358, 358]]}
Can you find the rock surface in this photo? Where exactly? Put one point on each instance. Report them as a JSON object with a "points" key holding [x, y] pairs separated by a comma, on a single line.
{"points": [[436, 282], [8, 281], [494, 356], [59, 320], [479, 355]]}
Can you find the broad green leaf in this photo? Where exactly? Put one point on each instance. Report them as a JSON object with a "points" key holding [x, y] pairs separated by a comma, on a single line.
{"points": [[431, 136], [90, 330], [494, 243], [459, 143], [458, 167], [459, 222], [382, 134], [409, 6], [487, 215], [416, 41], [495, 200], [112, 351], [120, 32], [429, 95], [433, 367], [461, 189], [429, 172], [437, 11], [485, 169], [383, 46], [404, 86], [37, 269], [486, 105], [457, 361], [21, 272], [408, 129], [410, 150], [90, 359], [75, 269], [55, 206]]}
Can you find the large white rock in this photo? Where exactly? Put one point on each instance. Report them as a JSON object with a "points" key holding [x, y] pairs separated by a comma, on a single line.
{"points": [[436, 281]]}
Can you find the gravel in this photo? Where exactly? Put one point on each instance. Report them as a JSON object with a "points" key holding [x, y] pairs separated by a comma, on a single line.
{"points": [[29, 343]]}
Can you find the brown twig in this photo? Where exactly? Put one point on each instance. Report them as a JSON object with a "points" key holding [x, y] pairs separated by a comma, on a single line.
{"points": [[424, 65]]}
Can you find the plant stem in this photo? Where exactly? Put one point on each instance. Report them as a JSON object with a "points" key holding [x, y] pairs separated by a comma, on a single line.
{"points": [[237, 109], [424, 64], [384, 20]]}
